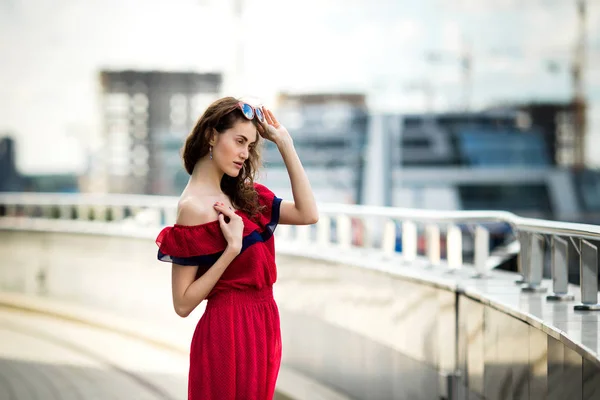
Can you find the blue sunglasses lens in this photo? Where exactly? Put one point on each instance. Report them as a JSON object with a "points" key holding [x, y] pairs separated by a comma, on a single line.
{"points": [[248, 111], [260, 115]]}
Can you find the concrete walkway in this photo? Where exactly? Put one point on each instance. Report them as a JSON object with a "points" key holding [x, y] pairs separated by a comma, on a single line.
{"points": [[46, 358], [52, 349]]}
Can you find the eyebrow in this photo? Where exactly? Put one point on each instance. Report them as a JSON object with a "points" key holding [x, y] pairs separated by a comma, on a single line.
{"points": [[246, 139]]}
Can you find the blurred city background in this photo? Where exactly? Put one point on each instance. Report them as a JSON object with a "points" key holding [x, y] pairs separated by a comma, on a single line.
{"points": [[440, 105], [476, 104]]}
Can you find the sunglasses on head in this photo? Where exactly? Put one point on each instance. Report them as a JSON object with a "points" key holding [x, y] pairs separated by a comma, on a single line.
{"points": [[250, 112]]}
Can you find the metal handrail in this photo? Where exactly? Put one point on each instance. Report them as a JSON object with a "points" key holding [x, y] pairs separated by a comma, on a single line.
{"points": [[547, 227], [564, 237], [540, 226]]}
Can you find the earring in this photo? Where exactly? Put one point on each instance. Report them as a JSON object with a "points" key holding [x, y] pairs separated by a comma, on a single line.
{"points": [[210, 150]]}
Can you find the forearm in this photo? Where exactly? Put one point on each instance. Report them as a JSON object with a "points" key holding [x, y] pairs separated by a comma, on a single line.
{"points": [[301, 190], [201, 287]]}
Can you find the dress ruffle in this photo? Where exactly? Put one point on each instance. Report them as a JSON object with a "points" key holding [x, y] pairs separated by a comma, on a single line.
{"points": [[203, 244], [181, 244]]}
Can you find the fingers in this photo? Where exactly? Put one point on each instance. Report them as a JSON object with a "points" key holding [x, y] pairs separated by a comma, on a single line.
{"points": [[223, 209], [268, 116], [224, 221], [261, 128], [273, 119], [268, 128]]}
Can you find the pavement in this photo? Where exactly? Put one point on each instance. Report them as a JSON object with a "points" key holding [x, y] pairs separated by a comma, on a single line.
{"points": [[53, 349], [45, 358]]}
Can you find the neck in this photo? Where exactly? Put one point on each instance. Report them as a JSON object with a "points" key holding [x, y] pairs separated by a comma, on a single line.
{"points": [[207, 174]]}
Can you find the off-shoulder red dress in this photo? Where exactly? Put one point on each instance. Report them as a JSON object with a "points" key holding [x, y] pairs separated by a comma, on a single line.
{"points": [[235, 352]]}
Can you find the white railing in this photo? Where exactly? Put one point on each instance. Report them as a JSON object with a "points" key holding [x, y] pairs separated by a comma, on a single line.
{"points": [[347, 226]]}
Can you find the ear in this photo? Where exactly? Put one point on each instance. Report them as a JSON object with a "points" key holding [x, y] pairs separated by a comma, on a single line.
{"points": [[212, 138]]}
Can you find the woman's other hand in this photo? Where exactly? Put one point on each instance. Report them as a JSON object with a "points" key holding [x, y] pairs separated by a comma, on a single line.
{"points": [[233, 229]]}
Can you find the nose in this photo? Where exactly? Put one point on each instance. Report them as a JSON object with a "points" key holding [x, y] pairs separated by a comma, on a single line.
{"points": [[244, 154]]}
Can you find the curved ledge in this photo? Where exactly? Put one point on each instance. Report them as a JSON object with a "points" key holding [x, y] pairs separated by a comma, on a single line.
{"points": [[576, 330]]}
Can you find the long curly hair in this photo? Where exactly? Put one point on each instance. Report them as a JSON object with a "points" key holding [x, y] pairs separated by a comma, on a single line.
{"points": [[221, 115]]}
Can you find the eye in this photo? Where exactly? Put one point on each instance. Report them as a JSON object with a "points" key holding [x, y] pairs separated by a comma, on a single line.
{"points": [[240, 141]]}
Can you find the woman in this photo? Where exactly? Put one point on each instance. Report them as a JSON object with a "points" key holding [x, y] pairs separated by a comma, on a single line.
{"points": [[222, 249]]}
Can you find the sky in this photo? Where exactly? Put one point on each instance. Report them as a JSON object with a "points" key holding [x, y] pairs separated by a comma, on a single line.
{"points": [[52, 51]]}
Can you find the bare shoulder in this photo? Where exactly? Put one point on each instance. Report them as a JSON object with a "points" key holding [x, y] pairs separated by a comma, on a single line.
{"points": [[192, 210]]}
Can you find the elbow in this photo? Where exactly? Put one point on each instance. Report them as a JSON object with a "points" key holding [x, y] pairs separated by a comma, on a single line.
{"points": [[182, 311], [313, 219]]}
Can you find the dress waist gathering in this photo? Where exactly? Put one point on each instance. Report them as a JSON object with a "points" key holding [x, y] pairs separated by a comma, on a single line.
{"points": [[235, 297]]}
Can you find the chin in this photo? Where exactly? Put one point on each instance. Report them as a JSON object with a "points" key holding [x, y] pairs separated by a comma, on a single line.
{"points": [[234, 174]]}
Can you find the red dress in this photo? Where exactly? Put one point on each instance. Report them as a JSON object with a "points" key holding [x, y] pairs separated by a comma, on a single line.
{"points": [[235, 352]]}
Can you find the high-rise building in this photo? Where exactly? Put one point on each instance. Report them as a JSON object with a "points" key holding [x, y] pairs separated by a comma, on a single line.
{"points": [[10, 180], [330, 131], [146, 117]]}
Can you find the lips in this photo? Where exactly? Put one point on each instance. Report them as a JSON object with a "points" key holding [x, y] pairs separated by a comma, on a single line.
{"points": [[239, 164]]}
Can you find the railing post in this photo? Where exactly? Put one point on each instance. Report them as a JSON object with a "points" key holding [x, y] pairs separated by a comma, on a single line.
{"points": [[323, 231], [47, 211], [344, 231], [482, 251], [560, 270], [99, 213], [523, 259], [409, 241], [535, 265], [27, 210], [433, 244], [588, 275], [454, 248], [65, 212], [370, 231], [82, 212], [119, 213]]}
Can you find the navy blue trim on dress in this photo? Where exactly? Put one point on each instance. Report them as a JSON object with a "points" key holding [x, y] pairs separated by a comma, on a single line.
{"points": [[252, 238], [274, 214]]}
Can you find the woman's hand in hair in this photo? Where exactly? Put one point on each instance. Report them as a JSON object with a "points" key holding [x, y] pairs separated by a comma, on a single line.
{"points": [[232, 226], [272, 129]]}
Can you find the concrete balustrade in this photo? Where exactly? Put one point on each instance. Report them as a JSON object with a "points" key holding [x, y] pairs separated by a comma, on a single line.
{"points": [[533, 235]]}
